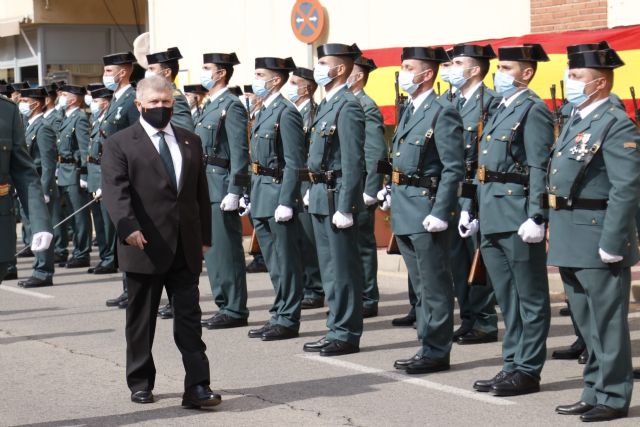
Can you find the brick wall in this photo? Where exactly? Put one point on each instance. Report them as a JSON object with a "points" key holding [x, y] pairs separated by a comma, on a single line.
{"points": [[565, 15]]}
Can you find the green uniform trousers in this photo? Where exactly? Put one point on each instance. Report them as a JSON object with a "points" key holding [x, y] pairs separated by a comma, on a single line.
{"points": [[368, 251], [310, 268]]}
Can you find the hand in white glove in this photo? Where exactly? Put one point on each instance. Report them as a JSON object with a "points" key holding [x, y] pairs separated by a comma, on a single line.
{"points": [[466, 226], [47, 199], [384, 196], [41, 241], [530, 232], [245, 207], [305, 199], [342, 220], [608, 258], [368, 200], [434, 225], [83, 183], [230, 203], [283, 213]]}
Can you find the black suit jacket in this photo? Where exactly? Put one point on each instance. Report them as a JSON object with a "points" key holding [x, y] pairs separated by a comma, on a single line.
{"points": [[139, 196]]}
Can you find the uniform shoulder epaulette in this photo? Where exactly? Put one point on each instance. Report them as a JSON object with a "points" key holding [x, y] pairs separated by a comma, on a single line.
{"points": [[176, 92], [4, 98], [442, 100]]}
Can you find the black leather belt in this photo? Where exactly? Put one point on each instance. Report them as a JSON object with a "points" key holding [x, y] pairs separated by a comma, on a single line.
{"points": [[430, 182], [551, 201], [216, 161], [486, 175], [66, 160], [93, 160], [324, 176], [258, 169]]}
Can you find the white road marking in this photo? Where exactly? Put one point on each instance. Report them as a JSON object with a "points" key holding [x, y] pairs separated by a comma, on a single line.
{"points": [[24, 292], [404, 378]]}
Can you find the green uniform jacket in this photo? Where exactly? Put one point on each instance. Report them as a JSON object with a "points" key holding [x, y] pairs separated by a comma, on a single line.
{"points": [[613, 174], [505, 206], [181, 111], [375, 147], [346, 153], [232, 143], [41, 145], [73, 142], [94, 175], [54, 120], [285, 153], [307, 123], [121, 114], [443, 158], [17, 170]]}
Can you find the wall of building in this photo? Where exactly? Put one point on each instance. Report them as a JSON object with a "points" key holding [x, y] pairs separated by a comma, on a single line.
{"points": [[549, 16]]}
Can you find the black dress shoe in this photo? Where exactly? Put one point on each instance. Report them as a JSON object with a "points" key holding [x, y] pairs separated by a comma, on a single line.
{"points": [[462, 330], [257, 333], [565, 311], [166, 312], [602, 413], [475, 336], [310, 303], [142, 396], [316, 346], [279, 332], [403, 363], [368, 312], [115, 301], [584, 356], [26, 254], [574, 409], [339, 348], [58, 258], [204, 322], [407, 320], [200, 395], [515, 385], [124, 303], [425, 365], [224, 321], [573, 352], [11, 275], [33, 282], [485, 385], [104, 269], [257, 265], [636, 373], [77, 263]]}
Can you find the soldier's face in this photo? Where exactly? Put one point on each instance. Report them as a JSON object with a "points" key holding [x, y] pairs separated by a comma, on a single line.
{"points": [[113, 70], [518, 70], [157, 69], [336, 66], [419, 69], [300, 83], [592, 79], [469, 68], [268, 76], [72, 100]]}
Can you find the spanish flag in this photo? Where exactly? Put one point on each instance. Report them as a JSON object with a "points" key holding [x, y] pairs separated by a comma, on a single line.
{"points": [[625, 40]]}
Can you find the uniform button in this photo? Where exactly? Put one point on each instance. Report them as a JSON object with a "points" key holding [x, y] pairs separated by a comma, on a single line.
{"points": [[424, 193], [553, 188], [593, 221], [559, 154], [274, 180], [468, 146], [469, 128], [266, 136], [509, 192], [398, 154], [484, 151], [488, 137], [503, 137], [555, 171], [401, 140]]}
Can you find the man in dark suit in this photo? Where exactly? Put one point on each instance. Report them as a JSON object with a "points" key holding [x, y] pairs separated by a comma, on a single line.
{"points": [[155, 191]]}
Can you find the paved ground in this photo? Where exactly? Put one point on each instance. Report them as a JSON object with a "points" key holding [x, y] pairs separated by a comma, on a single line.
{"points": [[62, 357]]}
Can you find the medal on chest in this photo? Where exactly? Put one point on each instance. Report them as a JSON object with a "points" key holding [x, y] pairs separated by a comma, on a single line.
{"points": [[580, 148]]}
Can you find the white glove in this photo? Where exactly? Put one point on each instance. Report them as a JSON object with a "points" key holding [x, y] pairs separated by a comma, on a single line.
{"points": [[384, 196], [283, 213], [368, 200], [47, 199], [305, 198], [466, 226], [83, 183], [342, 220], [434, 225], [246, 206], [98, 193], [608, 258], [230, 202], [530, 232], [41, 241]]}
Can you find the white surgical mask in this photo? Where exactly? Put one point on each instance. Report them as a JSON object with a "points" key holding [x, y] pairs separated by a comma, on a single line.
{"points": [[87, 100], [206, 79], [405, 81], [504, 84], [95, 108], [110, 82], [456, 76], [260, 87], [291, 92], [445, 73], [575, 91], [62, 101], [149, 73], [24, 108], [321, 74]]}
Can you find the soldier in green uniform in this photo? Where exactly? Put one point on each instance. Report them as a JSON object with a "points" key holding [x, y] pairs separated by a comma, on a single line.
{"points": [[195, 95], [475, 102], [41, 145], [277, 154], [512, 162], [336, 165], [223, 130], [121, 114], [73, 145], [165, 64], [594, 186], [299, 91], [18, 171], [427, 159], [375, 149]]}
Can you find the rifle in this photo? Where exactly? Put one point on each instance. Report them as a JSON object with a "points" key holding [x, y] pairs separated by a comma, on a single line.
{"points": [[557, 116], [563, 101], [635, 105], [438, 87], [450, 94]]}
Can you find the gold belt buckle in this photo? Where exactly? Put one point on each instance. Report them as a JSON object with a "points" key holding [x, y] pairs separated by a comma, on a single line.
{"points": [[482, 174], [552, 201], [255, 168], [395, 177]]}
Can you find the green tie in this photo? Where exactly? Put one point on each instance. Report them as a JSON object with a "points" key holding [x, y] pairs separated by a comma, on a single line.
{"points": [[165, 155]]}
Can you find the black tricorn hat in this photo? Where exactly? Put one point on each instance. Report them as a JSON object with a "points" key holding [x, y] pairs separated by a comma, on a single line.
{"points": [[119, 58], [18, 86], [604, 58], [220, 58], [449, 53], [337, 49], [529, 52], [472, 51], [76, 90], [248, 89], [36, 92], [195, 89], [366, 63], [276, 64], [6, 90], [305, 73], [94, 86], [170, 55], [587, 46], [235, 90], [51, 89], [434, 54], [101, 92]]}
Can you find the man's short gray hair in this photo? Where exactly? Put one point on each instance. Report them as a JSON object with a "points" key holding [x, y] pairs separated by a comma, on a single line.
{"points": [[152, 84]]}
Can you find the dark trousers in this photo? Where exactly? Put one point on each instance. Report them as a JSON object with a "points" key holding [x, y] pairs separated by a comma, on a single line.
{"points": [[145, 291]]}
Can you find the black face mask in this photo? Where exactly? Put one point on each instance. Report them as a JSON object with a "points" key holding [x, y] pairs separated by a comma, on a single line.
{"points": [[158, 117]]}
